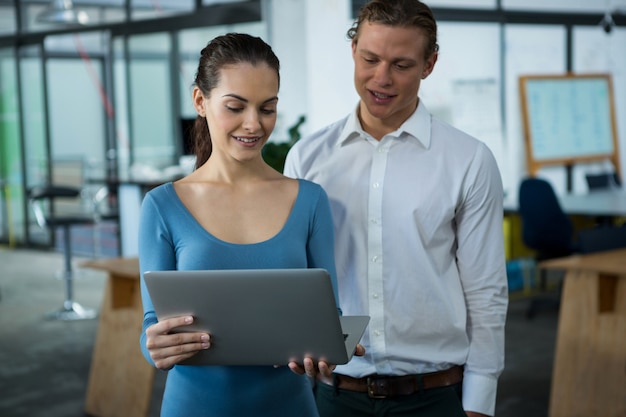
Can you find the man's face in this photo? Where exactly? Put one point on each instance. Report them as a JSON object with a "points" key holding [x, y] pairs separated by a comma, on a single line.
{"points": [[388, 67]]}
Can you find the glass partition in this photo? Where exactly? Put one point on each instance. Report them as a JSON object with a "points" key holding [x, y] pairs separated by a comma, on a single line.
{"points": [[34, 130], [151, 9], [11, 168], [76, 44], [576, 6], [77, 125], [77, 107], [120, 94], [150, 104], [7, 19]]}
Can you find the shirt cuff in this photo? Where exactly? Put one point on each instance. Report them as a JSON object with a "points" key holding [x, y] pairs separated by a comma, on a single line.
{"points": [[479, 393]]}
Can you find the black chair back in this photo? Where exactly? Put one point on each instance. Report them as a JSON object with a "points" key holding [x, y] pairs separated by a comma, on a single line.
{"points": [[545, 227]]}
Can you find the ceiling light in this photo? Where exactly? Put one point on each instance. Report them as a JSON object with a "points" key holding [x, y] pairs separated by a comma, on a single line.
{"points": [[62, 12]]}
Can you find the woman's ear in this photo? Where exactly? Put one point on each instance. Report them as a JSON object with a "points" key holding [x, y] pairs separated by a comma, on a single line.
{"points": [[198, 102]]}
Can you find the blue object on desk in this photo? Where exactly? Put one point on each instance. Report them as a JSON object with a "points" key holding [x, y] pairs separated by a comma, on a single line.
{"points": [[515, 275]]}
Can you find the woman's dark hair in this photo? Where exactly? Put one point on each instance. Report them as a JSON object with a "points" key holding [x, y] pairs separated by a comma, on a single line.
{"points": [[229, 49], [400, 13]]}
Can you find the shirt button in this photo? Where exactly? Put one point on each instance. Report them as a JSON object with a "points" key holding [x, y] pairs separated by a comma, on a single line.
{"points": [[375, 295], [375, 185], [377, 332], [374, 221], [375, 258]]}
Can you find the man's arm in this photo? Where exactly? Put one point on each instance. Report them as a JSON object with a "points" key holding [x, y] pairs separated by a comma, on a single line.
{"points": [[482, 267]]}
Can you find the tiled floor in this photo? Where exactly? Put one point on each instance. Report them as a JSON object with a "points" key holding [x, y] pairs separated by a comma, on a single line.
{"points": [[45, 364]]}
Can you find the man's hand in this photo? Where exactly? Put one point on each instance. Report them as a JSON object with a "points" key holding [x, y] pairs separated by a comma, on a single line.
{"points": [[312, 369]]}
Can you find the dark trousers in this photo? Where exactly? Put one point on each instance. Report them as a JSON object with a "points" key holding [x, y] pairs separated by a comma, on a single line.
{"points": [[434, 402]]}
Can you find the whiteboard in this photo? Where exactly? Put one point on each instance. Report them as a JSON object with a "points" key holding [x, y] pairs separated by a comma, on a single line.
{"points": [[568, 119]]}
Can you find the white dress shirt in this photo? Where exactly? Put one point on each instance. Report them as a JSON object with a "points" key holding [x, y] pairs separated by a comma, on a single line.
{"points": [[419, 246]]}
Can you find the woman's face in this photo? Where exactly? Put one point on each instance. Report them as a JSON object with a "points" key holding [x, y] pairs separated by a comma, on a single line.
{"points": [[241, 110]]}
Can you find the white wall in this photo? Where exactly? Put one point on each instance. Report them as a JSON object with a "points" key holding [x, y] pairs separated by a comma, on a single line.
{"points": [[309, 37], [310, 40], [330, 66], [286, 34]]}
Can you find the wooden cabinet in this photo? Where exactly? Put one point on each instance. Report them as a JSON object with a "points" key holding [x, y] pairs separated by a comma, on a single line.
{"points": [[120, 379], [589, 376]]}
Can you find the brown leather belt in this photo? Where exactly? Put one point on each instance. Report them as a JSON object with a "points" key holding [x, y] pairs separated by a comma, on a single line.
{"points": [[383, 386]]}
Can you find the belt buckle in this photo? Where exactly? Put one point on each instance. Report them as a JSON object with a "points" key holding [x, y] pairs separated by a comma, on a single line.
{"points": [[375, 393]]}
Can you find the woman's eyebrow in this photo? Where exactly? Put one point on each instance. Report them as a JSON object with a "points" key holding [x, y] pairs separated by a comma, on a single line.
{"points": [[238, 97]]}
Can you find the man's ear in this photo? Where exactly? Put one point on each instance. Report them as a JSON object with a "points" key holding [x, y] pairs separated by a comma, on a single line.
{"points": [[198, 101], [430, 65]]}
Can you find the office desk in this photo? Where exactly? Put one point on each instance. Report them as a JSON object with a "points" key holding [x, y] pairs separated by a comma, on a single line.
{"points": [[589, 375], [130, 193], [120, 379], [596, 203], [130, 196]]}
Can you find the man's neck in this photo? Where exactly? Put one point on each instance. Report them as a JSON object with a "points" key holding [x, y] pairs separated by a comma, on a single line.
{"points": [[378, 127]]}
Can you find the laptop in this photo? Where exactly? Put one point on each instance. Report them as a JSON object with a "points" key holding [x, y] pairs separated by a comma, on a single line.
{"points": [[259, 316]]}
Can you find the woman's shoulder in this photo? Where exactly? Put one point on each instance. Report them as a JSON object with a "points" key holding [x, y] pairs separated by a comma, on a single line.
{"points": [[160, 192], [312, 193], [310, 187]]}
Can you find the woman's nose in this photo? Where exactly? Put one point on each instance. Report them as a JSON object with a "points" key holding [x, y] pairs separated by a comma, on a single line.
{"points": [[251, 121]]}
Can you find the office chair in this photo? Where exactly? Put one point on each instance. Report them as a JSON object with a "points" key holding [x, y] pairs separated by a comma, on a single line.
{"points": [[39, 197], [547, 230]]}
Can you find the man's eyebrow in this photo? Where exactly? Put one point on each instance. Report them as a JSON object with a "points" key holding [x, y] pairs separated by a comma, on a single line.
{"points": [[396, 59], [366, 51], [238, 97]]}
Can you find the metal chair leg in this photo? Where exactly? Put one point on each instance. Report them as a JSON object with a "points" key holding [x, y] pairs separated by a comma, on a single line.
{"points": [[71, 310]]}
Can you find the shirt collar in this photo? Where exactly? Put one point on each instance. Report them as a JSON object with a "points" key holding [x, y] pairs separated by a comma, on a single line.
{"points": [[417, 126], [351, 129]]}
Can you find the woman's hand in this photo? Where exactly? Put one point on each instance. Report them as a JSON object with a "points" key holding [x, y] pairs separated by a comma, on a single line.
{"points": [[312, 369], [167, 349]]}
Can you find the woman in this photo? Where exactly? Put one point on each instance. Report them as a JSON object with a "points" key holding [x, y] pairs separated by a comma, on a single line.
{"points": [[233, 212]]}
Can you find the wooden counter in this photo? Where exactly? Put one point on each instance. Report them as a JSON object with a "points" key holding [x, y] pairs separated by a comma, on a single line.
{"points": [[589, 375], [120, 379]]}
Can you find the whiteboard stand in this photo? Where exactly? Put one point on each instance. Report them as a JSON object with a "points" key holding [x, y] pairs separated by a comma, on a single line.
{"points": [[568, 119]]}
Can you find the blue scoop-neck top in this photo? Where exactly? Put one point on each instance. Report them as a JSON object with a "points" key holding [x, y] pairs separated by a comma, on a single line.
{"points": [[170, 238]]}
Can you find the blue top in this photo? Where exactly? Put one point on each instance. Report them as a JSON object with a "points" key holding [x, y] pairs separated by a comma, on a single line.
{"points": [[171, 239]]}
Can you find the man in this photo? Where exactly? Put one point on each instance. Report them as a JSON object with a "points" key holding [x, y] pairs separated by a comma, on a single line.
{"points": [[417, 208]]}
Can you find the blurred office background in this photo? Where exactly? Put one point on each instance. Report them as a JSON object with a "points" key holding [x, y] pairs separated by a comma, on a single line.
{"points": [[103, 95], [97, 97]]}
